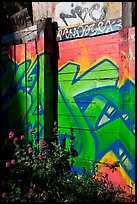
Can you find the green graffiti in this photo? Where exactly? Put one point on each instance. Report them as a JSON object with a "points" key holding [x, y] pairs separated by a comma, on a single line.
{"points": [[96, 109], [23, 96]]}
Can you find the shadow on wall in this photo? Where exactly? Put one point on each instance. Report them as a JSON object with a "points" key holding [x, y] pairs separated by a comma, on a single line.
{"points": [[12, 108], [11, 101]]}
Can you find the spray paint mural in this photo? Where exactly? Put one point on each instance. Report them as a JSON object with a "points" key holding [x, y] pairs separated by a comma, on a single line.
{"points": [[96, 97], [80, 19], [96, 100], [23, 88]]}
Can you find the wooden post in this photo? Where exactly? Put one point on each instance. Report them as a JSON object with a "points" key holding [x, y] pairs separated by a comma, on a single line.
{"points": [[50, 76], [126, 14], [133, 14]]}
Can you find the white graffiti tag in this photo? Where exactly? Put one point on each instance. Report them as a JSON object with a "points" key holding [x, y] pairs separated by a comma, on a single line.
{"points": [[70, 13], [89, 29]]}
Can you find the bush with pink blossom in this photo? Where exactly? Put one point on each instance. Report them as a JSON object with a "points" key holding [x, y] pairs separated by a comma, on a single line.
{"points": [[44, 174]]}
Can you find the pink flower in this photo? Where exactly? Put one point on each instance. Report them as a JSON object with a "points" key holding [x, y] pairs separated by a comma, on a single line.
{"points": [[54, 129], [23, 150], [11, 135], [55, 123], [42, 143], [7, 164], [29, 150], [41, 157], [22, 137], [32, 130], [31, 193], [16, 139], [13, 161], [4, 195], [28, 145]]}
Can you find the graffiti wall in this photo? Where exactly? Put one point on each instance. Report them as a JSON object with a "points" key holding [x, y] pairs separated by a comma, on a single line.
{"points": [[96, 102], [23, 88], [80, 19]]}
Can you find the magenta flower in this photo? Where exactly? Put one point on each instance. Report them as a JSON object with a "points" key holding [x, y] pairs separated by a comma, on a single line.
{"points": [[31, 193], [41, 157], [29, 150], [4, 195], [7, 164], [55, 123], [28, 145], [11, 135], [22, 137], [13, 161], [42, 143], [16, 139], [54, 129], [32, 130]]}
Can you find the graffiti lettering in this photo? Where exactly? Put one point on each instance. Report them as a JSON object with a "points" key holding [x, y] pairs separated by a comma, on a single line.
{"points": [[89, 29], [80, 12], [23, 86], [17, 88], [90, 100], [20, 20], [96, 7], [107, 117]]}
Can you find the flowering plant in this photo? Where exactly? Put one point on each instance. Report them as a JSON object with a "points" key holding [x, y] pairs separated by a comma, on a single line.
{"points": [[44, 174], [32, 173]]}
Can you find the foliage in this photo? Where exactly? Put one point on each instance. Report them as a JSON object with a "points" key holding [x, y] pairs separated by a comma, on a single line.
{"points": [[44, 174]]}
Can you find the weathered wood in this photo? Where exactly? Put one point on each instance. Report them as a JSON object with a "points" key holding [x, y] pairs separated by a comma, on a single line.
{"points": [[20, 20], [126, 14], [43, 10], [21, 36], [50, 76]]}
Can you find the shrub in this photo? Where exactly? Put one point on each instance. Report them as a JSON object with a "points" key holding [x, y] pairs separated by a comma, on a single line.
{"points": [[44, 174]]}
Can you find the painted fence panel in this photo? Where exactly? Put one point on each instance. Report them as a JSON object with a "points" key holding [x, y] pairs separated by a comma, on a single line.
{"points": [[96, 102], [23, 88]]}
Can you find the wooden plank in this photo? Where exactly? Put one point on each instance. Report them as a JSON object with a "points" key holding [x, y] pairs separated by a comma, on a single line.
{"points": [[90, 29], [20, 20], [112, 92], [126, 14], [31, 79], [41, 80], [21, 36]]}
